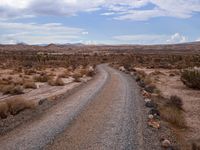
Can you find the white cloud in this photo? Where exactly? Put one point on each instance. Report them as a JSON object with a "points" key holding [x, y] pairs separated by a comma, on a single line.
{"points": [[119, 9], [177, 38], [198, 40], [33, 33], [150, 39]]}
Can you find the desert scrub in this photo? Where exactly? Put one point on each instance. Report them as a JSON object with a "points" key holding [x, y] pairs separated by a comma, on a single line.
{"points": [[172, 111], [191, 78], [29, 84], [56, 82], [15, 105], [12, 89], [41, 78]]}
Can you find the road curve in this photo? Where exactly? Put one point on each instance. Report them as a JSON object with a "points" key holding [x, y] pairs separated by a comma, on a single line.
{"points": [[104, 114]]}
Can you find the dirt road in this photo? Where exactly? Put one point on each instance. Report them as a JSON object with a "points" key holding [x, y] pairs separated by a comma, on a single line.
{"points": [[104, 114]]}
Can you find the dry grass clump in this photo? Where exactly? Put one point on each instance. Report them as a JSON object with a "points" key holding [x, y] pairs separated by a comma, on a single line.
{"points": [[41, 78], [12, 89], [56, 82], [174, 116], [29, 84], [15, 105], [175, 101], [88, 71], [4, 110], [76, 76], [156, 72], [29, 71], [172, 112], [191, 78], [64, 74]]}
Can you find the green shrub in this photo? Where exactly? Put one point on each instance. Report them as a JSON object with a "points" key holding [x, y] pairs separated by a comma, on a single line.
{"points": [[191, 78]]}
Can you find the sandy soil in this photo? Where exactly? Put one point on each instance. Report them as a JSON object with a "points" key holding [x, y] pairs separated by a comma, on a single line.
{"points": [[172, 85]]}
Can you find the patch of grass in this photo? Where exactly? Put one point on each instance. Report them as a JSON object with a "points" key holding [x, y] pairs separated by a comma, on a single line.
{"points": [[191, 78]]}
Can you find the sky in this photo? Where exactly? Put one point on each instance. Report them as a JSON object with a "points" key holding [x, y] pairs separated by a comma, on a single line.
{"points": [[99, 21]]}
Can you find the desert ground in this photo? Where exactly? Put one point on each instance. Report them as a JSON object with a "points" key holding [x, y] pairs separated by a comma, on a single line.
{"points": [[99, 97]]}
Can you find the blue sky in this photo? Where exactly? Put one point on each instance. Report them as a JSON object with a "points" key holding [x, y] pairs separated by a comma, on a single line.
{"points": [[99, 21]]}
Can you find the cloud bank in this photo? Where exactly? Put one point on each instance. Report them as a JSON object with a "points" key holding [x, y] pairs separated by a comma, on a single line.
{"points": [[116, 9]]}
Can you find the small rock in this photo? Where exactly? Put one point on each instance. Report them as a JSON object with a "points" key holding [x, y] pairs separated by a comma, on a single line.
{"points": [[146, 94], [147, 100], [154, 112], [153, 123], [150, 116], [122, 68], [165, 143], [151, 104]]}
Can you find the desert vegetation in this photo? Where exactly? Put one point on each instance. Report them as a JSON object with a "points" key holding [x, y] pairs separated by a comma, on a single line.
{"points": [[14, 105], [191, 78]]}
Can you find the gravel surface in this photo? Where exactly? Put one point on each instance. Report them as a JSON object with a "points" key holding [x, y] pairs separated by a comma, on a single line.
{"points": [[113, 120], [106, 113]]}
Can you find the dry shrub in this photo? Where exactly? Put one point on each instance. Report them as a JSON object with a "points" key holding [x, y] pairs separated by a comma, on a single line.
{"points": [[76, 76], [175, 101], [90, 71], [41, 78], [29, 71], [172, 111], [57, 82], [5, 81], [147, 80], [195, 144], [12, 89], [141, 74], [191, 78], [15, 105], [64, 74], [174, 116], [18, 104], [18, 81], [29, 84], [4, 110]]}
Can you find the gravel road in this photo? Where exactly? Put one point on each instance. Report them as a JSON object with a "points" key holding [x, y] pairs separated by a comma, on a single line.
{"points": [[104, 114]]}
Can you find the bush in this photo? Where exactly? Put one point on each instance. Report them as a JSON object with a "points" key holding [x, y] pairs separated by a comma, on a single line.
{"points": [[30, 84], [12, 89], [191, 78], [41, 78], [57, 82], [76, 76], [19, 104], [174, 116], [175, 101], [4, 110], [15, 105]]}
